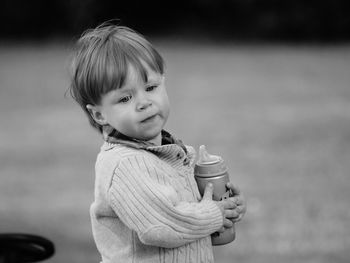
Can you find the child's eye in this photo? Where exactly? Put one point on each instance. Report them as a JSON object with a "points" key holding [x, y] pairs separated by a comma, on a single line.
{"points": [[124, 99], [152, 87]]}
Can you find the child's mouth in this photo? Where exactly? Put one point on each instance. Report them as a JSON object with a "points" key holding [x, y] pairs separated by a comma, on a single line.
{"points": [[149, 119]]}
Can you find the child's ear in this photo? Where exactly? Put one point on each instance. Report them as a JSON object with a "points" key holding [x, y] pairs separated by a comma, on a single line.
{"points": [[96, 114]]}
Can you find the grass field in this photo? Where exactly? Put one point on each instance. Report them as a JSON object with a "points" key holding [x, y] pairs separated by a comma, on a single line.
{"points": [[279, 115]]}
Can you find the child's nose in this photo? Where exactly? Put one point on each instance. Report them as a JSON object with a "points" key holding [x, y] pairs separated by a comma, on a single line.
{"points": [[143, 103]]}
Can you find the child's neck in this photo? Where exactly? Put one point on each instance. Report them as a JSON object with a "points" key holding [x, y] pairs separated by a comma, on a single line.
{"points": [[157, 140]]}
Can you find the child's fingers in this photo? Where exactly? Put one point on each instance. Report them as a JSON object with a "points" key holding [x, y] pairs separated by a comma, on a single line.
{"points": [[234, 189], [238, 200], [222, 230], [208, 192], [228, 223], [240, 211], [237, 219], [229, 204], [231, 214]]}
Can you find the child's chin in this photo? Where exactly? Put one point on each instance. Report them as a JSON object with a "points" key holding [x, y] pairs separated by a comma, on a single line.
{"points": [[151, 136], [151, 133]]}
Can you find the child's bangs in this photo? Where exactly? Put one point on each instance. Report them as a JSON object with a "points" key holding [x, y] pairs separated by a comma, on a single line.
{"points": [[121, 51], [141, 57], [145, 61], [115, 71]]}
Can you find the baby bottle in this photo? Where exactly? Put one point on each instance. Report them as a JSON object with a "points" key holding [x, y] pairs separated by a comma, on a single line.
{"points": [[212, 169]]}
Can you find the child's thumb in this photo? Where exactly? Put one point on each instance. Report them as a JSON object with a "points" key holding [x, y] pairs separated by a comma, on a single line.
{"points": [[208, 192]]}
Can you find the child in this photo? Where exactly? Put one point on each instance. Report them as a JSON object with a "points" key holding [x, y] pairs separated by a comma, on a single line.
{"points": [[147, 206]]}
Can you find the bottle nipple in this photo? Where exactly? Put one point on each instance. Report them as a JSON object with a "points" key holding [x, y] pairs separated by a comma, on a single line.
{"points": [[206, 158]]}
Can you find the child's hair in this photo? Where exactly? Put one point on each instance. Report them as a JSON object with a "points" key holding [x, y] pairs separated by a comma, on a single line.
{"points": [[100, 63]]}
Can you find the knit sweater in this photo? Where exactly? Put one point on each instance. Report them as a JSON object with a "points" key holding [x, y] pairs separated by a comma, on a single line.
{"points": [[147, 206]]}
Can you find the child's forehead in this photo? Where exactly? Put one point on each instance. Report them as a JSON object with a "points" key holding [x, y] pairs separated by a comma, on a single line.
{"points": [[141, 73]]}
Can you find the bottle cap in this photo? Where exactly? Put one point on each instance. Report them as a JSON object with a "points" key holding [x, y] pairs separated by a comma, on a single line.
{"points": [[209, 165], [206, 158]]}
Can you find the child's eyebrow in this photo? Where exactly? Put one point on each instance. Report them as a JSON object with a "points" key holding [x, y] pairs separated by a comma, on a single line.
{"points": [[124, 89]]}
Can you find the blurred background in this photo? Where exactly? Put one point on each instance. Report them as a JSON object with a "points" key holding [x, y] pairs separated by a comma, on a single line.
{"points": [[264, 84]]}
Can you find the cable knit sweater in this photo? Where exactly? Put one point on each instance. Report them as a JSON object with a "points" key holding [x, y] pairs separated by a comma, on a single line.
{"points": [[147, 207]]}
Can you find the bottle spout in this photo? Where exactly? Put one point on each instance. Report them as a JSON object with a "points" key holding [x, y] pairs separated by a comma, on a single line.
{"points": [[206, 158]]}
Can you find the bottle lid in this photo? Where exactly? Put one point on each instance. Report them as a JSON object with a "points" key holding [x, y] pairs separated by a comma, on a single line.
{"points": [[206, 158], [209, 165]]}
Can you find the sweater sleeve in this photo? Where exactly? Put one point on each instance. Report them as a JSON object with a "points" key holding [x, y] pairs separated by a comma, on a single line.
{"points": [[154, 210]]}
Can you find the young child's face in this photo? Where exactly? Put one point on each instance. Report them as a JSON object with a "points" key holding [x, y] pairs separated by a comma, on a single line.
{"points": [[138, 109]]}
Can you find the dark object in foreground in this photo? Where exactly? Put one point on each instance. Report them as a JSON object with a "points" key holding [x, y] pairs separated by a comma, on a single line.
{"points": [[22, 248]]}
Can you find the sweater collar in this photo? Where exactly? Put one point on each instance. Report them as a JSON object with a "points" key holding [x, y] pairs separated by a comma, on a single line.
{"points": [[112, 137]]}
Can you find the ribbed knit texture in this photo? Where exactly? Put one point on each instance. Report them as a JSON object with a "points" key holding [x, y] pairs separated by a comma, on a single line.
{"points": [[147, 206]]}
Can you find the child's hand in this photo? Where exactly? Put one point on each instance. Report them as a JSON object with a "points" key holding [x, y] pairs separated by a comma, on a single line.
{"points": [[240, 202], [226, 206]]}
